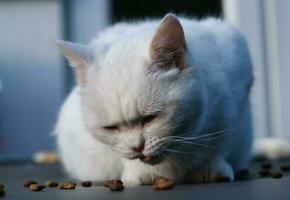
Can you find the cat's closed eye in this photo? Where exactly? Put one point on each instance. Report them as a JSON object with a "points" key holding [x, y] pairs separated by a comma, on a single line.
{"points": [[111, 128], [147, 119]]}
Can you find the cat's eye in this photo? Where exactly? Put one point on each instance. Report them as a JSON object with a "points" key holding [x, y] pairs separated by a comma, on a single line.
{"points": [[111, 128], [147, 119]]}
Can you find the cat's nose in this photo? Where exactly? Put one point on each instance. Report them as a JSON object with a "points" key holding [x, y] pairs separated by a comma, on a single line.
{"points": [[139, 148]]}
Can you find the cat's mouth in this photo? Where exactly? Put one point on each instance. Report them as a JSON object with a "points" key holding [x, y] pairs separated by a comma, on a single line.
{"points": [[151, 160], [148, 159], [145, 158]]}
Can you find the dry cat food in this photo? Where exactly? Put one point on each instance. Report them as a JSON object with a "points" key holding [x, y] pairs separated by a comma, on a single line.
{"points": [[51, 184], [242, 174], [222, 179], [162, 184], [68, 185], [266, 165], [36, 187], [86, 183], [2, 192], [264, 172], [276, 174], [285, 168], [28, 183], [114, 185]]}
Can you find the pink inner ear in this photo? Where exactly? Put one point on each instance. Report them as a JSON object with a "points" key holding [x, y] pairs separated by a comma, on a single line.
{"points": [[168, 45]]}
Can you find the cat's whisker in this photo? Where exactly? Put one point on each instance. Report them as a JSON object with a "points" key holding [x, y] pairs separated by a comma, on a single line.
{"points": [[188, 142], [201, 136], [195, 143], [211, 136], [193, 140], [181, 152]]}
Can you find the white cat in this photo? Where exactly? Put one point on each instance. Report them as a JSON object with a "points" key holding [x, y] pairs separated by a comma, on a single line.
{"points": [[158, 99]]}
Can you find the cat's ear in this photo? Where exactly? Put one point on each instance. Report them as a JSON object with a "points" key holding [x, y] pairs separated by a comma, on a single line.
{"points": [[79, 57], [168, 46]]}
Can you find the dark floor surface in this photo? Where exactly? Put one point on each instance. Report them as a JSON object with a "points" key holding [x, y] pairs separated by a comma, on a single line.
{"points": [[256, 187]]}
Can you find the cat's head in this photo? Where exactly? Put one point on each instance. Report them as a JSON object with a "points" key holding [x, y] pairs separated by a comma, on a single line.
{"points": [[138, 94]]}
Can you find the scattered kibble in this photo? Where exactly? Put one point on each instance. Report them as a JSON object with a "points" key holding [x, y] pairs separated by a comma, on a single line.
{"points": [[163, 184], [114, 185], [285, 168], [264, 172], [242, 174], [28, 183], [86, 183], [222, 179], [2, 192], [36, 187], [276, 174], [68, 185], [266, 165], [159, 183], [51, 184]]}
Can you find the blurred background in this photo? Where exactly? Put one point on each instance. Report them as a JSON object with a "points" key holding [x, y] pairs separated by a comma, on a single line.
{"points": [[34, 78]]}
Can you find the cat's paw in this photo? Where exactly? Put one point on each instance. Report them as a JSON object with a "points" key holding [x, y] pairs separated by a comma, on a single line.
{"points": [[131, 180], [218, 171], [135, 178], [136, 173]]}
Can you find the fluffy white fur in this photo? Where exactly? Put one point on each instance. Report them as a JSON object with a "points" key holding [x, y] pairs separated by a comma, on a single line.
{"points": [[202, 115]]}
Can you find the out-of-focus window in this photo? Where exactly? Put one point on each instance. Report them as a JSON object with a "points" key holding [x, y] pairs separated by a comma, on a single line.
{"points": [[266, 26]]}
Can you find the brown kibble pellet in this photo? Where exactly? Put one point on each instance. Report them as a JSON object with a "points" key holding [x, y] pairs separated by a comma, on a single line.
{"points": [[28, 183], [114, 185], [36, 187], [1, 186], [276, 174], [264, 172], [51, 184], [2, 192], [285, 168], [163, 184], [221, 179], [242, 174], [86, 183], [266, 165], [67, 185]]}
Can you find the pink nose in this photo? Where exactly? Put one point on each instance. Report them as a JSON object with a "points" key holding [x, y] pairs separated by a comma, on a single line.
{"points": [[138, 148]]}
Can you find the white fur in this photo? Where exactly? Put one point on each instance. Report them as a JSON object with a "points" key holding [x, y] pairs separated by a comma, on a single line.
{"points": [[210, 96]]}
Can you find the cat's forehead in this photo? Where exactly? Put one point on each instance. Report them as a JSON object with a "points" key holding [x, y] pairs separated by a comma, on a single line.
{"points": [[124, 65], [127, 54], [122, 95], [124, 86]]}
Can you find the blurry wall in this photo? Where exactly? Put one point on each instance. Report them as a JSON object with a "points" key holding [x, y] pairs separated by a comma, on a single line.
{"points": [[32, 75], [35, 77], [278, 42], [267, 27], [86, 18]]}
